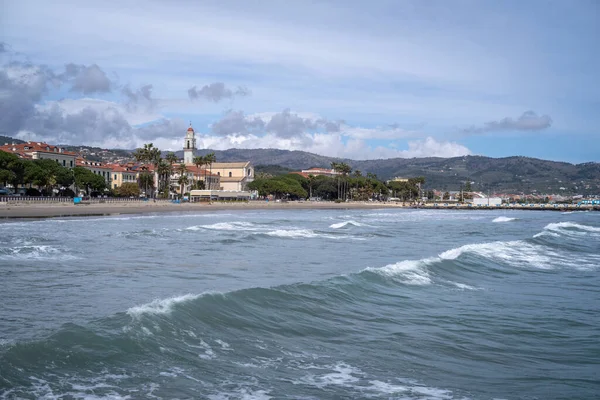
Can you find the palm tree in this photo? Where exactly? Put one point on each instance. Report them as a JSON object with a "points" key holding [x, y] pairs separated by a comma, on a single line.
{"points": [[198, 162], [345, 170], [183, 181], [171, 158], [164, 171], [210, 158], [311, 181], [335, 166]]}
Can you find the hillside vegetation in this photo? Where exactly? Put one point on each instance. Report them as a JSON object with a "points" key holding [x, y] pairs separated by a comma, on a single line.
{"points": [[510, 174]]}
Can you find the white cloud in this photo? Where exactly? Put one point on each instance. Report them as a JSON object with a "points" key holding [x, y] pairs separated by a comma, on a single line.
{"points": [[336, 145]]}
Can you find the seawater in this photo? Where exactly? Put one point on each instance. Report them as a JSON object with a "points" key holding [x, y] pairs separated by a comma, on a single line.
{"points": [[306, 304]]}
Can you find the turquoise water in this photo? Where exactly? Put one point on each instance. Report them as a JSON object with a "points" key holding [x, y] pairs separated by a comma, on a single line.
{"points": [[324, 304]]}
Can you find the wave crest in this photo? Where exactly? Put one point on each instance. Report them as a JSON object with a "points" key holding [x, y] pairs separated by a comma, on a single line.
{"points": [[161, 306], [504, 219], [345, 223]]}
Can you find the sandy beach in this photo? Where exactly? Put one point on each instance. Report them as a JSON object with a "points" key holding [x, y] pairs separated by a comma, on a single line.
{"points": [[36, 210]]}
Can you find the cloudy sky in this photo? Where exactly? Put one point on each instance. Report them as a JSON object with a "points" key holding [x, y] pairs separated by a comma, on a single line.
{"points": [[358, 79]]}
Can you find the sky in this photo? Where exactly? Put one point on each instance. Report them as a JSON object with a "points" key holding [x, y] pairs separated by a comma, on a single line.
{"points": [[353, 79]]}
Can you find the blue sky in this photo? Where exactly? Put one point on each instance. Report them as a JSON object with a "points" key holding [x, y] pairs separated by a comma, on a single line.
{"points": [[357, 79]]}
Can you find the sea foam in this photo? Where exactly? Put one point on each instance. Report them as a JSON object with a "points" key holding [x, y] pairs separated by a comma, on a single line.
{"points": [[160, 306], [504, 219], [345, 223], [37, 252], [411, 272]]}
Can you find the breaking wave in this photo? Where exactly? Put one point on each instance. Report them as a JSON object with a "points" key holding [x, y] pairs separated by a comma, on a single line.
{"points": [[36, 252], [345, 224], [504, 219]]}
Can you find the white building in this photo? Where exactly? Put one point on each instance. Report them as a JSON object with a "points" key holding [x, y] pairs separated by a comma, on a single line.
{"points": [[189, 145]]}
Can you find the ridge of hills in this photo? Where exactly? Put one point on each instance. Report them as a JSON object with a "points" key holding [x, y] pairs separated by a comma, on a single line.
{"points": [[516, 174]]}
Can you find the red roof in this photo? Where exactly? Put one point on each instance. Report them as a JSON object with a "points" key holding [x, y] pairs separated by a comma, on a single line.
{"points": [[82, 162], [190, 129], [35, 146]]}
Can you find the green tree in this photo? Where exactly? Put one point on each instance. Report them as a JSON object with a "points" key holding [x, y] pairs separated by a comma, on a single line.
{"points": [[128, 189]]}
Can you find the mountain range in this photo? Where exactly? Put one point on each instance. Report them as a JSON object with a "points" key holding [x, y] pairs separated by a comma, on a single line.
{"points": [[508, 175]]}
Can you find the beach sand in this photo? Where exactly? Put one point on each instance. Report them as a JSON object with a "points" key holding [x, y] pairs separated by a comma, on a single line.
{"points": [[37, 210]]}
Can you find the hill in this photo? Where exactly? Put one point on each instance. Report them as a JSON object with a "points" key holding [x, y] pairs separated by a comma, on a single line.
{"points": [[510, 174]]}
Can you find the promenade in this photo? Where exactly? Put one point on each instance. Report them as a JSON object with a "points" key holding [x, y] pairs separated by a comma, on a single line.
{"points": [[61, 207]]}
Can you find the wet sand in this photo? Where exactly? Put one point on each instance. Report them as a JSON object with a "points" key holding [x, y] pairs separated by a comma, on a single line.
{"points": [[31, 210]]}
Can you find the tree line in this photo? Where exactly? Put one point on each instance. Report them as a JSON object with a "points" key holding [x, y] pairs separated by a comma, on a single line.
{"points": [[47, 177], [348, 185]]}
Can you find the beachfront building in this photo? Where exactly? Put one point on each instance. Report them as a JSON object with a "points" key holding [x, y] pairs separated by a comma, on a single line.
{"points": [[121, 174], [97, 168], [41, 150], [222, 176], [234, 175], [194, 175]]}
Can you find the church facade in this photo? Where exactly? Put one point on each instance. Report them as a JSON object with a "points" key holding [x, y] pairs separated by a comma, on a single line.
{"points": [[233, 176]]}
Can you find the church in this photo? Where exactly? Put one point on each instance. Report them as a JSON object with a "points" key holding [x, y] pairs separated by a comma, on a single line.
{"points": [[232, 176]]}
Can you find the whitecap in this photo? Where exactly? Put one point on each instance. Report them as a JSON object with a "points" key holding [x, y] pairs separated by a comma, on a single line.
{"points": [[292, 233], [37, 252], [412, 272], [571, 228], [345, 223], [160, 306], [227, 226], [504, 219]]}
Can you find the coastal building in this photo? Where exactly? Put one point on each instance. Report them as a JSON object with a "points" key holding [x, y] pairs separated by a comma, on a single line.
{"points": [[234, 175], [97, 168], [41, 150], [223, 176], [398, 179], [194, 174], [320, 171], [121, 174]]}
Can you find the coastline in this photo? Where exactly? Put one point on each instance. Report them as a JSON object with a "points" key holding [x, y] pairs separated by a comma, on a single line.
{"points": [[30, 210], [52, 210]]}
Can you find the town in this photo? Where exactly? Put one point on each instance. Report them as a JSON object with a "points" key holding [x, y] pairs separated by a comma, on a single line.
{"points": [[33, 171]]}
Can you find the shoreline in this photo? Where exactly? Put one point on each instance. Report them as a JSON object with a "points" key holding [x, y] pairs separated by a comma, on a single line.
{"points": [[10, 211], [53, 210]]}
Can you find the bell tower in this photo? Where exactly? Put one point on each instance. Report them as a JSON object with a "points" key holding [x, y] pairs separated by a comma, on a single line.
{"points": [[189, 145]]}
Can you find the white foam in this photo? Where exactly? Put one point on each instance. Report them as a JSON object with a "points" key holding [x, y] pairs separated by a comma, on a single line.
{"points": [[224, 345], [160, 306], [227, 226], [420, 391], [37, 252], [412, 272], [522, 254], [342, 375], [571, 228], [293, 233], [463, 286], [345, 223], [504, 219]]}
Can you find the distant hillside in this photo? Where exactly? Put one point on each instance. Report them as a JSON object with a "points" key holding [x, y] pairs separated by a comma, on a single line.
{"points": [[509, 174], [9, 140]]}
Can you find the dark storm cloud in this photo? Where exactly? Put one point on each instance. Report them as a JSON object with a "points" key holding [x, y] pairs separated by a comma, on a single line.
{"points": [[216, 92]]}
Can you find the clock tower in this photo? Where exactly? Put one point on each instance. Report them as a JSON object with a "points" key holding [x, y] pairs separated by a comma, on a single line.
{"points": [[189, 145]]}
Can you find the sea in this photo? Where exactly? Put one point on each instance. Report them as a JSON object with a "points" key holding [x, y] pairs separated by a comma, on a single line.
{"points": [[302, 304]]}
